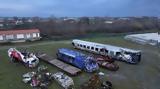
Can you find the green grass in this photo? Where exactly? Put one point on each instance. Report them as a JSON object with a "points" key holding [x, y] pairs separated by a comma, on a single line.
{"points": [[142, 76]]}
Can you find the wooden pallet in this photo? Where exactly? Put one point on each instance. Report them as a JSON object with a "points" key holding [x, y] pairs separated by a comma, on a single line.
{"points": [[60, 64]]}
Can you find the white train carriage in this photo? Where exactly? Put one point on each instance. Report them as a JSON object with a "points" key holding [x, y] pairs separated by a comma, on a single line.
{"points": [[117, 53]]}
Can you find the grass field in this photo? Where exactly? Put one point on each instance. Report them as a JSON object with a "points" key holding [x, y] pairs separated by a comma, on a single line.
{"points": [[145, 75]]}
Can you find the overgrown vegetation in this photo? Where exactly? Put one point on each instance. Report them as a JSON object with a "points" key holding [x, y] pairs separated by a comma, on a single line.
{"points": [[63, 27]]}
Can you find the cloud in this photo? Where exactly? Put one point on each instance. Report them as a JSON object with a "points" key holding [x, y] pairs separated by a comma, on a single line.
{"points": [[80, 7], [15, 7]]}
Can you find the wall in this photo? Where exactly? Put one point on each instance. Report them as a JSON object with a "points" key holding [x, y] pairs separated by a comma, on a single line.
{"points": [[9, 37], [20, 36], [1, 37]]}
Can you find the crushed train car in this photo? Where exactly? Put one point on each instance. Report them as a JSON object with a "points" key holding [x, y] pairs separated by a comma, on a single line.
{"points": [[77, 59], [117, 53], [28, 59]]}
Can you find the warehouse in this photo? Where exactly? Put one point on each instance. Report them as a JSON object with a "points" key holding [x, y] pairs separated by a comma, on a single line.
{"points": [[19, 35]]}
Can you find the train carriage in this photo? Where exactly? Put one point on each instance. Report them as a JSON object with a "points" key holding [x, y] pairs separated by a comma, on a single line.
{"points": [[77, 59], [117, 53]]}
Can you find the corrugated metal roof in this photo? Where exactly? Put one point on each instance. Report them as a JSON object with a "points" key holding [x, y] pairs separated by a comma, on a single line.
{"points": [[9, 32]]}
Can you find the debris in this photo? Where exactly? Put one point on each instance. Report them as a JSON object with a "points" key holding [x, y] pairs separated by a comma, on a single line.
{"points": [[39, 79], [95, 82], [106, 85], [28, 59], [64, 80], [42, 78], [106, 62], [42, 68], [28, 77], [101, 73]]}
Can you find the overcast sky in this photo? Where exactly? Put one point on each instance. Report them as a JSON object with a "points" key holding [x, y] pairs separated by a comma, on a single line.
{"points": [[76, 8]]}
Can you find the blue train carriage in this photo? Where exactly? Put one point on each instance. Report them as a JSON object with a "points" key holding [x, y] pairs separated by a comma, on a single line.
{"points": [[117, 53], [77, 59]]}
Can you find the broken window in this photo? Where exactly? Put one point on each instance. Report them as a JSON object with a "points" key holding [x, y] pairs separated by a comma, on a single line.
{"points": [[92, 48], [88, 47], [106, 51], [96, 49], [102, 50]]}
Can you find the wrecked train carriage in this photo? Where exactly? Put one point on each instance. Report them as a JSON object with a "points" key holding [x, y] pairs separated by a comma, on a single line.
{"points": [[77, 59], [117, 53]]}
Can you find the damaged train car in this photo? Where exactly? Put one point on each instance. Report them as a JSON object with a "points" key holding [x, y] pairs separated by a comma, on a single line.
{"points": [[77, 59], [117, 53]]}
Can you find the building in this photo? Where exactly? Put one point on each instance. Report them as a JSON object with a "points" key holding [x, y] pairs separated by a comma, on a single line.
{"points": [[19, 35], [146, 38], [108, 22], [1, 23]]}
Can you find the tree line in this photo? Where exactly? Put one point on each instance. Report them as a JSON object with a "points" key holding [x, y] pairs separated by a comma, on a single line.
{"points": [[85, 25]]}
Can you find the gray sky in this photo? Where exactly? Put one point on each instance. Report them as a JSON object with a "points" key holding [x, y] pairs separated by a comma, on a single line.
{"points": [[76, 8]]}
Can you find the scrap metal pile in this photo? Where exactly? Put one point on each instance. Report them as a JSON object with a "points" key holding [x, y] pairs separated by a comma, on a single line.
{"points": [[106, 62], [26, 58], [42, 78], [95, 82], [64, 80]]}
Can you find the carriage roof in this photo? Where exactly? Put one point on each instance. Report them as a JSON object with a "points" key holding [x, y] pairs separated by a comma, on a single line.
{"points": [[106, 46], [70, 53]]}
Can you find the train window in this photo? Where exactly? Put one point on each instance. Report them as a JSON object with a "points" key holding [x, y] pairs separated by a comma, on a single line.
{"points": [[118, 53], [84, 46], [106, 51], [77, 44], [71, 59], [101, 50], [80, 45], [92, 48], [73, 44], [96, 49], [127, 52], [111, 53], [62, 55], [88, 47]]}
